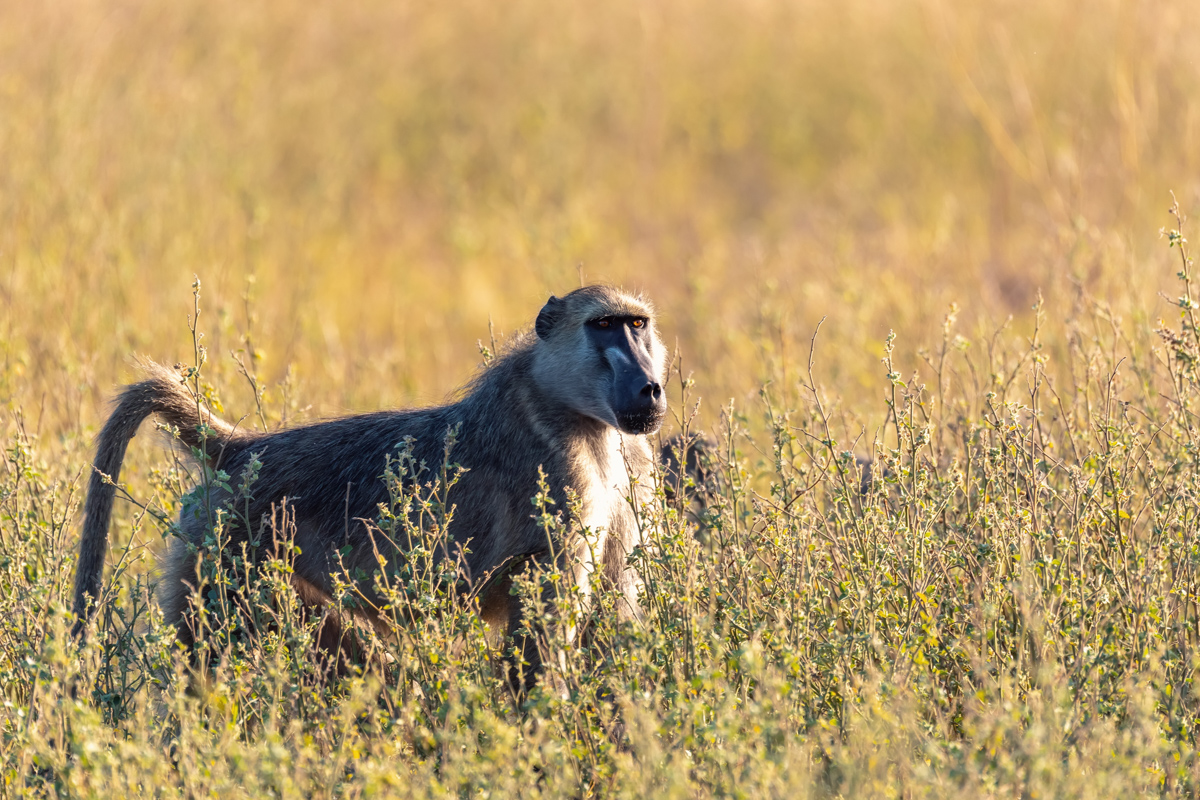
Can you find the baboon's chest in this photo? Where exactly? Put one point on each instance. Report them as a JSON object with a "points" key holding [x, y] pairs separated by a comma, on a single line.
{"points": [[601, 479]]}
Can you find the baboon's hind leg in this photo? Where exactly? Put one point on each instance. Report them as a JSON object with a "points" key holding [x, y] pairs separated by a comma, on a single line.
{"points": [[177, 596], [336, 642]]}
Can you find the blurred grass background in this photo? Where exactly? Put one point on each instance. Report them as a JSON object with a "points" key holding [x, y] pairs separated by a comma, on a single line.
{"points": [[381, 178], [361, 187]]}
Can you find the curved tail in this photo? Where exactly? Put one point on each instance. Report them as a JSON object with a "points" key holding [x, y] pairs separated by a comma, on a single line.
{"points": [[162, 393]]}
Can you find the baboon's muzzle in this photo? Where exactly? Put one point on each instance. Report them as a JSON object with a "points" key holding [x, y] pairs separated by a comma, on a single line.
{"points": [[641, 403]]}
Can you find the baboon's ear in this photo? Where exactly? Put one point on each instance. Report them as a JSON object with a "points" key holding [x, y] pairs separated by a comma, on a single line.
{"points": [[548, 317]]}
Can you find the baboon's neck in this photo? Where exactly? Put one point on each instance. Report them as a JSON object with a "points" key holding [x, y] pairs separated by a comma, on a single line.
{"points": [[507, 402]]}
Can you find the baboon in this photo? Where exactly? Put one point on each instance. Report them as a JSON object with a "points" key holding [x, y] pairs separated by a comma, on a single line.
{"points": [[699, 452], [576, 397]]}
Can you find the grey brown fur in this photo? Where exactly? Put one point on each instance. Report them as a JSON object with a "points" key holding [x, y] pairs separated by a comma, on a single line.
{"points": [[541, 404]]}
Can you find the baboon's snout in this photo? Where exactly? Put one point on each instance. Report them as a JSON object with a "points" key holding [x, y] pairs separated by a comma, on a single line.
{"points": [[641, 403]]}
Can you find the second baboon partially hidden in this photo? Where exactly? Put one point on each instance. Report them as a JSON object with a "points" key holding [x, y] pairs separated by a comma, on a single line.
{"points": [[575, 397]]}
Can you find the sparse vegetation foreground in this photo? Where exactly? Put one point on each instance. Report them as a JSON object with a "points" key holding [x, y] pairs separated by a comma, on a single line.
{"points": [[921, 261]]}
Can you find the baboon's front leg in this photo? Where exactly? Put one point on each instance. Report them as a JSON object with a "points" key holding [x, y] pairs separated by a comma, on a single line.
{"points": [[530, 635], [527, 637]]}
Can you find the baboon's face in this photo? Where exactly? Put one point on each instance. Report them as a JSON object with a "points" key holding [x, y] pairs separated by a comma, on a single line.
{"points": [[600, 355], [624, 345]]}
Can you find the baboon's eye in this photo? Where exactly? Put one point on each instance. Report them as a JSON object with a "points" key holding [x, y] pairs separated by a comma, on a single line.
{"points": [[638, 323], [605, 323]]}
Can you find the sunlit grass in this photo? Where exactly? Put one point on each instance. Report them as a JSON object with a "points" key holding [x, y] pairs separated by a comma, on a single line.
{"points": [[367, 191]]}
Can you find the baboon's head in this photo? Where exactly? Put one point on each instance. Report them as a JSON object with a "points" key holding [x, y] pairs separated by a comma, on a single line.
{"points": [[599, 353]]}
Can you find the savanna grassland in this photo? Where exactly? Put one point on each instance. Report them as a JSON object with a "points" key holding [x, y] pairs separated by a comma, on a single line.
{"points": [[360, 197]]}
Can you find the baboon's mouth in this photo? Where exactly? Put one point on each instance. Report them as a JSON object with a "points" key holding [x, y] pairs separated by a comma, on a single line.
{"points": [[641, 423]]}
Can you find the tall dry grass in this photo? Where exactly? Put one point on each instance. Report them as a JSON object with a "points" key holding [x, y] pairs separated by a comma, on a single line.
{"points": [[391, 175], [362, 188]]}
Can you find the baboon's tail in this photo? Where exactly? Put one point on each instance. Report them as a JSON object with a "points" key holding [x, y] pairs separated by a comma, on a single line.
{"points": [[163, 393]]}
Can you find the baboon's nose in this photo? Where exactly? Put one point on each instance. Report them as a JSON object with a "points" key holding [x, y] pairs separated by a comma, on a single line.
{"points": [[643, 408]]}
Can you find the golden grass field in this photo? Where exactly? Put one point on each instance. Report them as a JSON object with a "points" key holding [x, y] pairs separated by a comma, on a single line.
{"points": [[366, 191]]}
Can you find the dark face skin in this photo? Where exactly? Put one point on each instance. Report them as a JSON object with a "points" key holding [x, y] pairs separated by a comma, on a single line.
{"points": [[637, 398]]}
